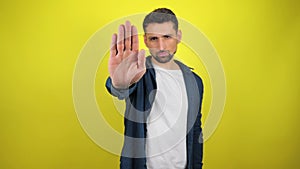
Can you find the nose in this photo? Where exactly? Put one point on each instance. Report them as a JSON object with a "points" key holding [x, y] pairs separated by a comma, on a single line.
{"points": [[161, 44]]}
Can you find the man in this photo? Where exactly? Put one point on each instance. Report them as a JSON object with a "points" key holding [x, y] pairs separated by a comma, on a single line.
{"points": [[163, 96]]}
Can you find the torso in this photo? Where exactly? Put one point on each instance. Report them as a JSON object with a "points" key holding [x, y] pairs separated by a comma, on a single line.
{"points": [[166, 124]]}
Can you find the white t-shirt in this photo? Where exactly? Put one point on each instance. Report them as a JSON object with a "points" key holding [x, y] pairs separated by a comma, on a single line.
{"points": [[166, 124]]}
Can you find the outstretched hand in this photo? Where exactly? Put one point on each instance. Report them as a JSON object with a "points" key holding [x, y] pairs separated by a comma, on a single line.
{"points": [[126, 63]]}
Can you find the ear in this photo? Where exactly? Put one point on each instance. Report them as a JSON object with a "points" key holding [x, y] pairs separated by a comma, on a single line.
{"points": [[179, 36], [145, 40]]}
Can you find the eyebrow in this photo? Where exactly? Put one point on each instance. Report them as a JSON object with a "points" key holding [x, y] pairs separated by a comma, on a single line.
{"points": [[150, 36]]}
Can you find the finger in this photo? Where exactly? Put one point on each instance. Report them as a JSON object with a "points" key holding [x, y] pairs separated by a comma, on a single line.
{"points": [[127, 35], [120, 43], [135, 39], [113, 45], [141, 60]]}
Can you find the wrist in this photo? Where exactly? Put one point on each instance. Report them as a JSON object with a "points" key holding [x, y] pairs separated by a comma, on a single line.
{"points": [[119, 87]]}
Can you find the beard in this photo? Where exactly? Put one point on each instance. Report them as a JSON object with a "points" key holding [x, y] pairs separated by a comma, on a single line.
{"points": [[164, 58]]}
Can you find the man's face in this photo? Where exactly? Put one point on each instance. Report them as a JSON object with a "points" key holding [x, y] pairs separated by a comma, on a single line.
{"points": [[162, 40]]}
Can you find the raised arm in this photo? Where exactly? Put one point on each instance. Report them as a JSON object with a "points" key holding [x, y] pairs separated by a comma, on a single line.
{"points": [[126, 63]]}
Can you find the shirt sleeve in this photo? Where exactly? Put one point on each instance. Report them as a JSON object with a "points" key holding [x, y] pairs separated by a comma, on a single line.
{"points": [[198, 134], [119, 93]]}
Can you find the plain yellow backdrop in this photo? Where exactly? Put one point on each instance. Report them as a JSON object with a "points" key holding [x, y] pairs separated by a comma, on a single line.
{"points": [[258, 44]]}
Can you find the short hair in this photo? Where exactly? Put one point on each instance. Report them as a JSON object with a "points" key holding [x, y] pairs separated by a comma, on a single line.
{"points": [[161, 15]]}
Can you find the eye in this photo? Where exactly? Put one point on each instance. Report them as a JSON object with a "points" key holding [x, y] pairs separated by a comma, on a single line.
{"points": [[167, 36], [153, 38]]}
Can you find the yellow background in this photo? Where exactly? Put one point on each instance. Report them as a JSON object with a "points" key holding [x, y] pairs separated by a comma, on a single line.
{"points": [[257, 42]]}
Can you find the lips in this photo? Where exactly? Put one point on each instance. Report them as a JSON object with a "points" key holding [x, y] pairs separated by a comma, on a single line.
{"points": [[162, 54]]}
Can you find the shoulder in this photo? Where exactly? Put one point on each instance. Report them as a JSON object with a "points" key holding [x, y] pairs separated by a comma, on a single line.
{"points": [[198, 80], [188, 69], [197, 77]]}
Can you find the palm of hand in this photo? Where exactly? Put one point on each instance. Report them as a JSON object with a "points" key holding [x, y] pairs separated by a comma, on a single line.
{"points": [[126, 64]]}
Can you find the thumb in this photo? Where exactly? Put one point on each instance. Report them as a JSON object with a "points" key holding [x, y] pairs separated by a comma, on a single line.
{"points": [[141, 59]]}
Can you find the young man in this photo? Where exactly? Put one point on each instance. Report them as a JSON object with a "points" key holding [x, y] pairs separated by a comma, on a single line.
{"points": [[163, 96]]}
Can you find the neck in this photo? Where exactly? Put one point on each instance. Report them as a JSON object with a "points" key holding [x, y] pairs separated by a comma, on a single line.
{"points": [[171, 65]]}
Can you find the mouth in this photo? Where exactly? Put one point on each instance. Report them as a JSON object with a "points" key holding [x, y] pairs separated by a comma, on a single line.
{"points": [[163, 54]]}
